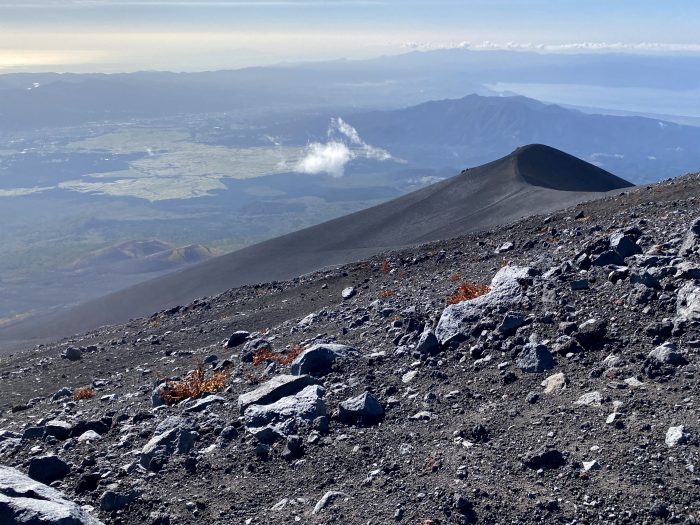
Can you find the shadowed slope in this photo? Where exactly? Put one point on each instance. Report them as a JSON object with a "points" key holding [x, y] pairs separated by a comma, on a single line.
{"points": [[531, 180]]}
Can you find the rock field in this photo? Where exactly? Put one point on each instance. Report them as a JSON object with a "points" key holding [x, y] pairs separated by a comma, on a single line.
{"points": [[568, 393]]}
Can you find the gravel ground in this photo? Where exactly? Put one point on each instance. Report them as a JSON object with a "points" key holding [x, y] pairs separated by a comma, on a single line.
{"points": [[567, 394]]}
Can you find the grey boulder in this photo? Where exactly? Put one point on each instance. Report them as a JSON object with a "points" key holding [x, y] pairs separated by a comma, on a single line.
{"points": [[274, 390], [506, 291], [319, 359], [47, 469], [364, 409], [24, 501], [535, 357]]}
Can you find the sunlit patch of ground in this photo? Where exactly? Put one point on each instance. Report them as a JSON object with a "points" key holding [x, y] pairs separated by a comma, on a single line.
{"points": [[175, 168]]}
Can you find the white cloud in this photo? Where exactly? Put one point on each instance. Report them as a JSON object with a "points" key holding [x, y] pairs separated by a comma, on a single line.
{"points": [[330, 158], [344, 144], [640, 47]]}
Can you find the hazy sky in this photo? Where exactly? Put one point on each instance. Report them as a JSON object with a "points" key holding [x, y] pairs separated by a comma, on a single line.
{"points": [[127, 35]]}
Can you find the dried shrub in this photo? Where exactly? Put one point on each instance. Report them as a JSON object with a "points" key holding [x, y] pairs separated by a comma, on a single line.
{"points": [[467, 291], [266, 354], [84, 393], [194, 385], [386, 267], [385, 294], [455, 277]]}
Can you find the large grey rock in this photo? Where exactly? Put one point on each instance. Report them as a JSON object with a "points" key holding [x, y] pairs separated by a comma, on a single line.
{"points": [[318, 359], [364, 409], [24, 501], [59, 429], [47, 469], [279, 419], [691, 244], [427, 343], [72, 353], [624, 245], [535, 357], [274, 390], [608, 258], [667, 354], [173, 435], [511, 322], [114, 499], [506, 291], [237, 338], [688, 303]]}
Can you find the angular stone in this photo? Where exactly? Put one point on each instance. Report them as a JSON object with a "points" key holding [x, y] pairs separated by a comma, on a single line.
{"points": [[47, 469], [511, 322], [348, 292], [319, 359], [237, 338], [112, 500], [688, 303], [364, 409], [691, 244], [200, 405], [59, 429], [544, 458], [306, 405], [427, 343], [72, 353], [667, 354], [676, 436], [274, 390], [624, 245], [24, 501], [590, 399], [609, 258], [555, 384], [506, 291], [535, 357]]}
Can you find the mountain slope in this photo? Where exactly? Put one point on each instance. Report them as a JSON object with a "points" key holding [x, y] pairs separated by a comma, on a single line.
{"points": [[474, 129], [531, 180]]}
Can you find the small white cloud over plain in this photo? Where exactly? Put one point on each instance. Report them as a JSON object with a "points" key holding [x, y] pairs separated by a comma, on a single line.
{"points": [[344, 145]]}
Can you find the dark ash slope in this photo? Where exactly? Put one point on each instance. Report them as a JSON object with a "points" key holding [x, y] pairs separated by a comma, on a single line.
{"points": [[533, 179]]}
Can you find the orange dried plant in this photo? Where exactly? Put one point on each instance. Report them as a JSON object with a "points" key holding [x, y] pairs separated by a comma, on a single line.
{"points": [[266, 354], [85, 392], [468, 291], [194, 385]]}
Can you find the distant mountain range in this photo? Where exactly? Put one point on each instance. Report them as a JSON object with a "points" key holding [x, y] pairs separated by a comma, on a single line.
{"points": [[471, 130], [531, 180], [31, 101]]}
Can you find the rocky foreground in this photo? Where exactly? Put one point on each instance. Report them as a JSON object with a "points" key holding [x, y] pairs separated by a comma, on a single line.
{"points": [[563, 390]]}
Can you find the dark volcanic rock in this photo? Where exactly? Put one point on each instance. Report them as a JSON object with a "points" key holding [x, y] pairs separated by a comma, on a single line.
{"points": [[364, 409], [47, 469]]}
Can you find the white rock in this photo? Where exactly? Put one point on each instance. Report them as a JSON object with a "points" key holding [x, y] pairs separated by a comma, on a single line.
{"points": [[590, 399], [676, 436]]}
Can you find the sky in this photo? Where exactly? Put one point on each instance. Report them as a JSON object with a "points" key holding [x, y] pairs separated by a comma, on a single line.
{"points": [[195, 35]]}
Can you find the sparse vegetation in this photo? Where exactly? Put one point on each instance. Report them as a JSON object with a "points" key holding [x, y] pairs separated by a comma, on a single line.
{"points": [[194, 385], [386, 267], [468, 290], [385, 294], [266, 354], [84, 393]]}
